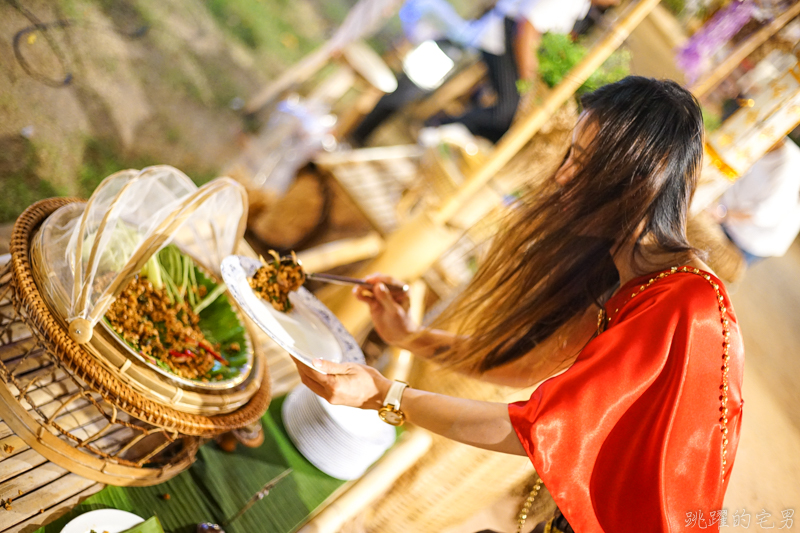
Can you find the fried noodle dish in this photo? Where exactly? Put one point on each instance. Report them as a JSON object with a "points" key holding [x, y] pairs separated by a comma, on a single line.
{"points": [[274, 281]]}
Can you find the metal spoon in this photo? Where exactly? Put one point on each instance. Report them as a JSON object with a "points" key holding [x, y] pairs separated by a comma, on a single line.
{"points": [[345, 280], [339, 280]]}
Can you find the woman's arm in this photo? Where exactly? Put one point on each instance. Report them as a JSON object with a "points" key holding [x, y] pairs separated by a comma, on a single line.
{"points": [[549, 357], [481, 424]]}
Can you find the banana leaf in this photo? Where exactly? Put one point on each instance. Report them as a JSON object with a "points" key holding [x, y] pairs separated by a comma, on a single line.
{"points": [[149, 526]]}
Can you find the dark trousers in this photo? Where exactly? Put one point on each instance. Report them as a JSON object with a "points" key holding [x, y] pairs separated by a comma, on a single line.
{"points": [[488, 122], [492, 122], [405, 93]]}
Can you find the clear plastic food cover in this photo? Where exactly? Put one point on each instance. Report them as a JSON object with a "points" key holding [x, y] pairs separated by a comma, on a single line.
{"points": [[88, 252]]}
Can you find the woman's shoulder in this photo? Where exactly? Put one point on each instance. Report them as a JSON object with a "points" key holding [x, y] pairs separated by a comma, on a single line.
{"points": [[685, 289]]}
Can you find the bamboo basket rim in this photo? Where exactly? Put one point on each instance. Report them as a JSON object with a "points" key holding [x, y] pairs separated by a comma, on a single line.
{"points": [[82, 364]]}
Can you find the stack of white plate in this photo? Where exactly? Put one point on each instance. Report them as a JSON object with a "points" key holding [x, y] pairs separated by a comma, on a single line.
{"points": [[341, 441]]}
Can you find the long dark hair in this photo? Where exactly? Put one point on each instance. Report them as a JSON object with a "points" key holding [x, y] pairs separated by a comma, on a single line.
{"points": [[553, 259]]}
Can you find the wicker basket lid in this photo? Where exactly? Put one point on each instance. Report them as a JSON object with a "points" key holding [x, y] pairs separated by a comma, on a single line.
{"points": [[103, 378], [93, 250]]}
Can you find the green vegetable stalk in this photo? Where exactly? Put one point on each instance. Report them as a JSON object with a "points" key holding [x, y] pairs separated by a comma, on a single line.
{"points": [[176, 273]]}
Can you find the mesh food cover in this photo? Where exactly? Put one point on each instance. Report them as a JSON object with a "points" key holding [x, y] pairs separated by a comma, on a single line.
{"points": [[90, 251]]}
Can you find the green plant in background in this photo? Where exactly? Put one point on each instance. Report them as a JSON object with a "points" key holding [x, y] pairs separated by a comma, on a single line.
{"points": [[711, 119], [558, 54], [273, 25], [19, 184], [675, 7]]}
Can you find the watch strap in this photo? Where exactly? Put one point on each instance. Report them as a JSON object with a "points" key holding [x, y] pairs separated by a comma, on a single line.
{"points": [[395, 394]]}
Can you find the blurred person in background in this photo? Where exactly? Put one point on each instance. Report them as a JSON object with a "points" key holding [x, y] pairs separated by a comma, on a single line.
{"points": [[508, 40], [507, 37], [760, 213]]}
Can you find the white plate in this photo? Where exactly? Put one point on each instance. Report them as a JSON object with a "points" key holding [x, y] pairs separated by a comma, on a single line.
{"points": [[362, 424], [111, 520], [341, 451], [309, 331]]}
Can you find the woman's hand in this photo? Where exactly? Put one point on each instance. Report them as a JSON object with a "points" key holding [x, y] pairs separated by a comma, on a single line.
{"points": [[483, 424], [345, 384], [389, 312]]}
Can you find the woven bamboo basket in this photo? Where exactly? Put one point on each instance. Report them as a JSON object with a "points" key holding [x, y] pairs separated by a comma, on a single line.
{"points": [[60, 441], [61, 406], [111, 351]]}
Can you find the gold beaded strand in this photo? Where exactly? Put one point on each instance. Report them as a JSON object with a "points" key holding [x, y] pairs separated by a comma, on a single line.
{"points": [[526, 507], [602, 322]]}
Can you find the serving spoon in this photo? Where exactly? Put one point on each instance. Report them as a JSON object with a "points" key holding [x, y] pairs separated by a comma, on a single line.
{"points": [[346, 280], [339, 280]]}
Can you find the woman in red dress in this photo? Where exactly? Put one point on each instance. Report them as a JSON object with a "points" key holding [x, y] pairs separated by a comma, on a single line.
{"points": [[593, 290]]}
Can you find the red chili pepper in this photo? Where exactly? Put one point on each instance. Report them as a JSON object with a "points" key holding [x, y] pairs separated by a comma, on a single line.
{"points": [[176, 353], [214, 354], [188, 353], [207, 348]]}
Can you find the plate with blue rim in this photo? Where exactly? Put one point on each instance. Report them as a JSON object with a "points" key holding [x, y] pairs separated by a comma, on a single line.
{"points": [[308, 331]]}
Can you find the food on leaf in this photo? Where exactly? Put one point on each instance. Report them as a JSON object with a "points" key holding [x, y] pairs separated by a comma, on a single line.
{"points": [[167, 312]]}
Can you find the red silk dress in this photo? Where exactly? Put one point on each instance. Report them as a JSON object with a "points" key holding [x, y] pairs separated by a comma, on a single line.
{"points": [[629, 438]]}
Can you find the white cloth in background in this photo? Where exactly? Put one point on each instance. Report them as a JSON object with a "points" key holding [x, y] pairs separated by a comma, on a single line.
{"points": [[433, 19], [770, 193], [555, 16]]}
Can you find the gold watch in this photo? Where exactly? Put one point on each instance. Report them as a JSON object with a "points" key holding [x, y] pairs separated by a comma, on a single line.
{"points": [[390, 412]]}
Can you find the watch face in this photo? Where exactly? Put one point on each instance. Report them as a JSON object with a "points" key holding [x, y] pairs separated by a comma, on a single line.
{"points": [[389, 416]]}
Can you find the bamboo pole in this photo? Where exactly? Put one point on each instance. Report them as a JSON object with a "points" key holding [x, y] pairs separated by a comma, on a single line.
{"points": [[342, 252], [522, 131], [453, 88], [306, 68], [722, 70], [367, 155], [401, 360]]}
